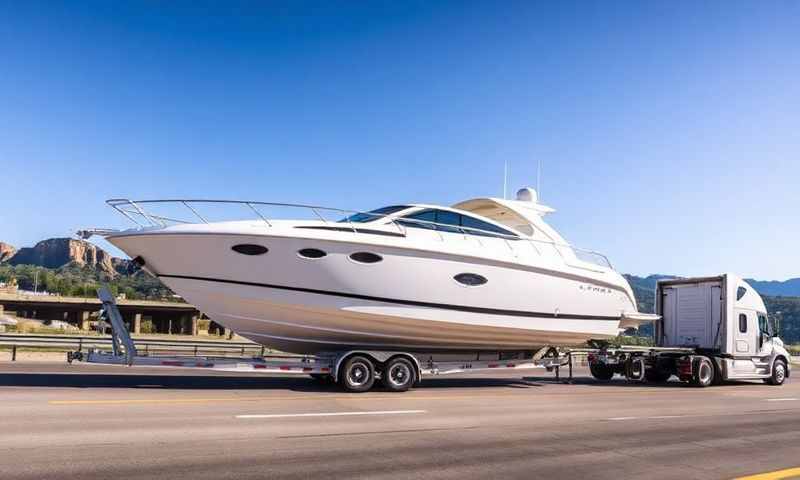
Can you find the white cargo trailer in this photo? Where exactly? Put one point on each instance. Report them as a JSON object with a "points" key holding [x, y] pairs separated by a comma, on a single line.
{"points": [[712, 329]]}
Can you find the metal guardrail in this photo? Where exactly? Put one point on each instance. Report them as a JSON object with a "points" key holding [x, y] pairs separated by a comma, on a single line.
{"points": [[145, 346]]}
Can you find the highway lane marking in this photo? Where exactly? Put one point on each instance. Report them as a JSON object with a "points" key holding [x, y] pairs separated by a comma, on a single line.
{"points": [[776, 475], [377, 432], [332, 414], [652, 417], [700, 415], [781, 399]]}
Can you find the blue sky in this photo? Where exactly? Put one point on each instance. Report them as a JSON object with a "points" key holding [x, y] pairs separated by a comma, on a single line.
{"points": [[668, 132]]}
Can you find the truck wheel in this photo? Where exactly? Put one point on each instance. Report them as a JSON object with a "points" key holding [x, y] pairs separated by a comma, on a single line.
{"points": [[703, 374], [656, 375], [778, 373], [399, 375], [601, 371], [357, 374], [635, 369]]}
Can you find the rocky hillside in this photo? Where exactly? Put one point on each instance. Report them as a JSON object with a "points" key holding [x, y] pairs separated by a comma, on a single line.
{"points": [[62, 252], [6, 251]]}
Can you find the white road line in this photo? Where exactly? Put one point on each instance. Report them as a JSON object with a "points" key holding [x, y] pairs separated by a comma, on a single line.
{"points": [[657, 417], [334, 414], [781, 399]]}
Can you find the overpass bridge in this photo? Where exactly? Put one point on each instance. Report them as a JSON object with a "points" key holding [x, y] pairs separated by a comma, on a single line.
{"points": [[166, 317]]}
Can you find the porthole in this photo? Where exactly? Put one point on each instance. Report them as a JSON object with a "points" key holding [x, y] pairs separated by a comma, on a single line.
{"points": [[366, 257], [470, 279], [311, 253], [250, 249]]}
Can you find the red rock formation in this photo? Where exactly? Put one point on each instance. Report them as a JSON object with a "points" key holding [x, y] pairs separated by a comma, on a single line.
{"points": [[58, 252]]}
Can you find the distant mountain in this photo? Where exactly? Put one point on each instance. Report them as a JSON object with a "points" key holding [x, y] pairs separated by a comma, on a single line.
{"points": [[788, 288], [64, 252]]}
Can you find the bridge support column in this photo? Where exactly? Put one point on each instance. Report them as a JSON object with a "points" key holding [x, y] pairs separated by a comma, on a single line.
{"points": [[83, 320], [194, 324], [137, 323]]}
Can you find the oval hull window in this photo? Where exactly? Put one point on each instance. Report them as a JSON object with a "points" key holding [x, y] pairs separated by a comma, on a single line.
{"points": [[470, 279], [250, 249], [366, 257], [311, 253]]}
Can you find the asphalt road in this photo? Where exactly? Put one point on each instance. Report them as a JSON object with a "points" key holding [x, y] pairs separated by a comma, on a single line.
{"points": [[88, 421]]}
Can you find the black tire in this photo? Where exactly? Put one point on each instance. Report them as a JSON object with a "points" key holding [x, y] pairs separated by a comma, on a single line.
{"points": [[703, 374], [399, 375], [657, 375], [601, 371], [357, 374], [778, 373]]}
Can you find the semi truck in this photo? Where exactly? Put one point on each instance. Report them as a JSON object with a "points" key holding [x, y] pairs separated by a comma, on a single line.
{"points": [[711, 330]]}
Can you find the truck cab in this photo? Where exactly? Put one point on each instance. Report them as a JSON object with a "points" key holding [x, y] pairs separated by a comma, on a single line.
{"points": [[725, 320]]}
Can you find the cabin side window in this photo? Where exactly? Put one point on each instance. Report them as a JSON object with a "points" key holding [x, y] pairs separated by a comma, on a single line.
{"points": [[742, 323], [454, 222]]}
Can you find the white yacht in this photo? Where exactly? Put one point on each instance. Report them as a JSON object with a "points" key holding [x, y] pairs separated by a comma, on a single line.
{"points": [[485, 274]]}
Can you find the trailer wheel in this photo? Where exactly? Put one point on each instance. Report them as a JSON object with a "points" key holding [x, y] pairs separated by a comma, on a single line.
{"points": [[703, 374], [601, 371], [399, 375], [778, 373], [357, 374]]}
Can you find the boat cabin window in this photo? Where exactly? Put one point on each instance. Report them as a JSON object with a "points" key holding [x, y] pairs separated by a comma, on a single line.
{"points": [[460, 223], [376, 214]]}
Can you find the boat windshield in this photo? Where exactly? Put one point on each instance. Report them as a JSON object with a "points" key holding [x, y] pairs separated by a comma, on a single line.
{"points": [[373, 214]]}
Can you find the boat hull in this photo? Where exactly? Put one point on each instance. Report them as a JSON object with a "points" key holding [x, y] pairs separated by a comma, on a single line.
{"points": [[309, 322]]}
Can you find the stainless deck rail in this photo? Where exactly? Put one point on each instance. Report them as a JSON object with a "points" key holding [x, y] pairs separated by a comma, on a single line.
{"points": [[134, 210]]}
